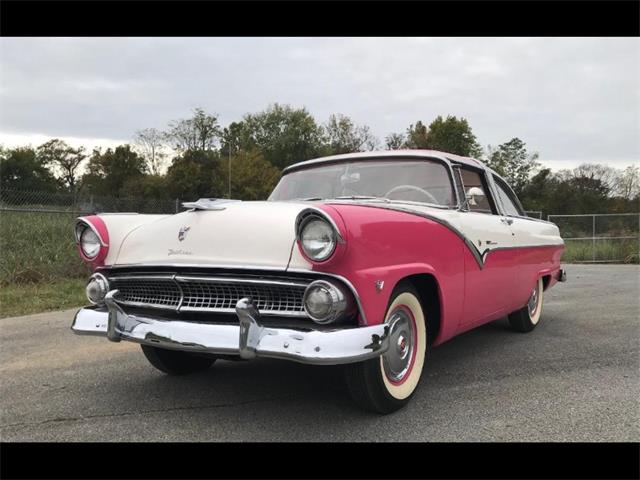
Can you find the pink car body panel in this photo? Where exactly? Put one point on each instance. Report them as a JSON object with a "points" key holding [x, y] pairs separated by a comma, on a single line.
{"points": [[386, 245]]}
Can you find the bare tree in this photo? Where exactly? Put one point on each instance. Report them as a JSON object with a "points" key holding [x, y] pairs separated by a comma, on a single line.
{"points": [[628, 185], [201, 132], [395, 141], [151, 144]]}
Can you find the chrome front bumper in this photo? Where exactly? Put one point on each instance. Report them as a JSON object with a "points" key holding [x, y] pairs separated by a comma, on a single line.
{"points": [[249, 339]]}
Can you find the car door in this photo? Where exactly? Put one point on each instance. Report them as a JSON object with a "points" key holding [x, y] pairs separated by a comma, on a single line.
{"points": [[532, 239], [488, 271]]}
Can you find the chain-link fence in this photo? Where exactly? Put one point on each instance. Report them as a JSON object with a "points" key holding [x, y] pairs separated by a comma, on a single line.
{"points": [[603, 238], [36, 231], [33, 201]]}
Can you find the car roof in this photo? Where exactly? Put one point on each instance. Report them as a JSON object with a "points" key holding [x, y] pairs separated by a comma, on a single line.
{"points": [[387, 155]]}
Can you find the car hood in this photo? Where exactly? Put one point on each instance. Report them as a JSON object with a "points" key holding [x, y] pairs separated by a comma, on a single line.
{"points": [[242, 234]]}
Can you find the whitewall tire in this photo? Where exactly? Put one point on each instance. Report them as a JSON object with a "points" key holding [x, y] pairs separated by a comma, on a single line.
{"points": [[386, 384], [528, 317]]}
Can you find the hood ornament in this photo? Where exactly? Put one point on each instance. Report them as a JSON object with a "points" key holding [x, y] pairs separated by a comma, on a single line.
{"points": [[209, 203], [183, 232]]}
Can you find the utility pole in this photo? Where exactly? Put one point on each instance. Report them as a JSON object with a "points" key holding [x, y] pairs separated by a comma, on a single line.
{"points": [[229, 170]]}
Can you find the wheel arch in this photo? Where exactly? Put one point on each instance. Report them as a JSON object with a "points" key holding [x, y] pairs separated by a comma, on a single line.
{"points": [[429, 295]]}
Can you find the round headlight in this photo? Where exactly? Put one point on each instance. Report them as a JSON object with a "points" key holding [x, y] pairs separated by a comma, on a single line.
{"points": [[90, 243], [326, 302], [318, 239], [97, 288]]}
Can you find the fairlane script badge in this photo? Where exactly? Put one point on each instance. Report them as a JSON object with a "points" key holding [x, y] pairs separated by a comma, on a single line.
{"points": [[179, 252], [183, 233]]}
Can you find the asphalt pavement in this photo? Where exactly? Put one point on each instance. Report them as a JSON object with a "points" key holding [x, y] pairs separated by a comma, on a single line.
{"points": [[576, 377]]}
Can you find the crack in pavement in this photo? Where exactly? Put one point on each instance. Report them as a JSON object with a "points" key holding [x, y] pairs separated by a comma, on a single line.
{"points": [[20, 425]]}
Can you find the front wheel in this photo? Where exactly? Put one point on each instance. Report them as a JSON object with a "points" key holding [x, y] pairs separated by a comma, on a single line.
{"points": [[528, 317], [175, 362], [386, 384]]}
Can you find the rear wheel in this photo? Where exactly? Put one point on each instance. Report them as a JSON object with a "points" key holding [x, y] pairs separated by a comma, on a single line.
{"points": [[528, 317], [175, 362], [386, 384]]}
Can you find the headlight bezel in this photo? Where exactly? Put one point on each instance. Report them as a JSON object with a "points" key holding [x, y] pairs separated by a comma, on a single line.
{"points": [[304, 220], [342, 304], [103, 285], [83, 227]]}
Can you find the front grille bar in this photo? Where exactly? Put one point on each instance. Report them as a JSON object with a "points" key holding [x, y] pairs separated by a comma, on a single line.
{"points": [[210, 293]]}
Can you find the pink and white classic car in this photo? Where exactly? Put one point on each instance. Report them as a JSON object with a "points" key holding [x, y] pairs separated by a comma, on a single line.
{"points": [[365, 259]]}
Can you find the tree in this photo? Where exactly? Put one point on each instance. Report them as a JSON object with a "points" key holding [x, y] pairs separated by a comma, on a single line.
{"points": [[252, 177], [343, 136], [22, 169], [151, 143], [512, 161], [201, 132], [417, 136], [194, 174], [452, 135], [283, 134], [628, 185], [58, 155], [109, 172], [395, 141]]}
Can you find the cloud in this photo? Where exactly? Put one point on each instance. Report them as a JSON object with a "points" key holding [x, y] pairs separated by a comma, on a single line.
{"points": [[571, 99]]}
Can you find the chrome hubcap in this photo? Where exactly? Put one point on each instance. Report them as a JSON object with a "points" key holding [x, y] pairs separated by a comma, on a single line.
{"points": [[397, 360], [533, 302]]}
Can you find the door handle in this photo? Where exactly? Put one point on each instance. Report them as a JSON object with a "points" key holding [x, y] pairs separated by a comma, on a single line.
{"points": [[489, 242], [508, 221]]}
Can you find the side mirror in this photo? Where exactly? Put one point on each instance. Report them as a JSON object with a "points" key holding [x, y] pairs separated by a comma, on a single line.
{"points": [[474, 192]]}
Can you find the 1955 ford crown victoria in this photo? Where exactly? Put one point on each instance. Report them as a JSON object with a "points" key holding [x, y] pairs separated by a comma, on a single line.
{"points": [[365, 259]]}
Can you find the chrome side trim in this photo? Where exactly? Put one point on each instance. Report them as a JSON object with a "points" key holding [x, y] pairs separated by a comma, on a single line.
{"points": [[249, 339]]}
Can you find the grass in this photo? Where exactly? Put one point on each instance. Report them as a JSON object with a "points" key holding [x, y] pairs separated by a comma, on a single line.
{"points": [[38, 247], [33, 298], [619, 251]]}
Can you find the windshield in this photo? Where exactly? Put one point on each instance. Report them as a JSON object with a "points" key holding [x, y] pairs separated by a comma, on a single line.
{"points": [[409, 180]]}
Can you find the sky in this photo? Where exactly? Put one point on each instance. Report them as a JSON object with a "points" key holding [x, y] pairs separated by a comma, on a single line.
{"points": [[572, 100]]}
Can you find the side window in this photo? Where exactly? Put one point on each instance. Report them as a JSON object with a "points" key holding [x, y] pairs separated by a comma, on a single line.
{"points": [[506, 197], [472, 178]]}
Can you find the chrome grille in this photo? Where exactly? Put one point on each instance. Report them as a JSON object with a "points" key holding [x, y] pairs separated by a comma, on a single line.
{"points": [[210, 294]]}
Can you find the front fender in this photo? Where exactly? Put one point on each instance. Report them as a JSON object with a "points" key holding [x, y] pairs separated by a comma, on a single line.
{"points": [[386, 246]]}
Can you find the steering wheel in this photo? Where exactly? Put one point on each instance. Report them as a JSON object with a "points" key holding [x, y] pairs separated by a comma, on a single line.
{"points": [[414, 188]]}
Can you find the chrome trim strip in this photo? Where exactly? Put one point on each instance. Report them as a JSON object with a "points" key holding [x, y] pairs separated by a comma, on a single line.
{"points": [[194, 265], [249, 339], [186, 278]]}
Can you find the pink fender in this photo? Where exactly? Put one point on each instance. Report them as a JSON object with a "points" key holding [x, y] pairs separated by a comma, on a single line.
{"points": [[98, 226], [385, 245]]}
